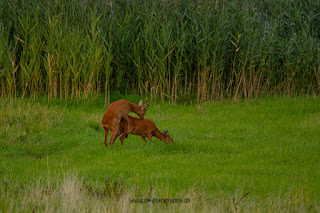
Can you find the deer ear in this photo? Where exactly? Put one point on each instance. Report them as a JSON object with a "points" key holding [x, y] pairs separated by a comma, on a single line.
{"points": [[140, 103]]}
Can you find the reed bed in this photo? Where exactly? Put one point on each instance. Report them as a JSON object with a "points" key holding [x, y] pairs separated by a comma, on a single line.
{"points": [[176, 50]]}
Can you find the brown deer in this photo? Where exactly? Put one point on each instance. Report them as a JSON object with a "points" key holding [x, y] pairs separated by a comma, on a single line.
{"points": [[119, 110], [144, 128]]}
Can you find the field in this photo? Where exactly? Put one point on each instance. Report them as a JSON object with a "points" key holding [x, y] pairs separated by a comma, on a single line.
{"points": [[236, 84], [255, 155]]}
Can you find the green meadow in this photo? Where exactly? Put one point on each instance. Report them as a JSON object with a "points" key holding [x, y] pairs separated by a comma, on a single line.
{"points": [[256, 155], [236, 84]]}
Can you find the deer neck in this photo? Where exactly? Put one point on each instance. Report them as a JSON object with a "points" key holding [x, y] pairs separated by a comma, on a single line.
{"points": [[159, 135], [134, 107]]}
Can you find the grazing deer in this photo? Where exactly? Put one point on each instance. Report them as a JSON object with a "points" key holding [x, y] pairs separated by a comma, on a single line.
{"points": [[119, 110], [144, 128]]}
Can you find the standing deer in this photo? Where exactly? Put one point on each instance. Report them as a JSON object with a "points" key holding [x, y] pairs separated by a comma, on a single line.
{"points": [[119, 110], [144, 128]]}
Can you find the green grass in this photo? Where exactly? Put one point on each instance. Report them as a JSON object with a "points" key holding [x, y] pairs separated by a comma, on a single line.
{"points": [[268, 148]]}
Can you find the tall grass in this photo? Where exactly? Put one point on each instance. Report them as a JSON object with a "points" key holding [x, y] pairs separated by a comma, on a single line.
{"points": [[73, 194], [175, 50]]}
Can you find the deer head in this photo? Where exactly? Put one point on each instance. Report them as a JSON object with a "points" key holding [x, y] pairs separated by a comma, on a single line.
{"points": [[167, 137], [142, 108]]}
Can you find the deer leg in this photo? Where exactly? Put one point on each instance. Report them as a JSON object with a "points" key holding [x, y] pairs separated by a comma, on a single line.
{"points": [[105, 136], [144, 139], [124, 130], [123, 136], [120, 130], [128, 128], [150, 138], [113, 136]]}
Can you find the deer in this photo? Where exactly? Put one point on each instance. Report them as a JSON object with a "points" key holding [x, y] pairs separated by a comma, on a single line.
{"points": [[117, 111], [144, 128]]}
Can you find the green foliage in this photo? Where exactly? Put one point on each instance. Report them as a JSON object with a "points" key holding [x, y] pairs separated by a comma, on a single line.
{"points": [[168, 49]]}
